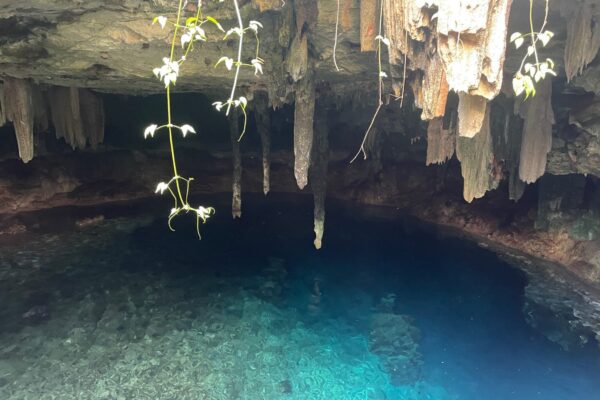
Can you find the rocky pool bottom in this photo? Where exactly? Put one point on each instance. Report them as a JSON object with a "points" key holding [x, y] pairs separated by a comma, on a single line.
{"points": [[117, 307]]}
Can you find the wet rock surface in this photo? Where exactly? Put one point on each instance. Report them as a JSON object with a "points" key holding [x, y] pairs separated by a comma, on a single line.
{"points": [[566, 313]]}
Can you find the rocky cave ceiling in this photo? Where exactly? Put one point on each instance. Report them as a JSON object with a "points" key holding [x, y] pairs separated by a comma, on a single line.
{"points": [[451, 62]]}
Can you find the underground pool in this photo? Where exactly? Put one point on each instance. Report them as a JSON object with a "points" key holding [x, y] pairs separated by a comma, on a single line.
{"points": [[106, 303]]}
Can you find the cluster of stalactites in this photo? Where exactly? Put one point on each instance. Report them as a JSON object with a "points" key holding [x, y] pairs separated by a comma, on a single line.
{"points": [[311, 144], [518, 142], [263, 125], [583, 35], [76, 114], [462, 50]]}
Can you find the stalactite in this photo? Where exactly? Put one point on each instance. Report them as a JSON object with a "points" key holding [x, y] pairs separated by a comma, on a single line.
{"points": [[41, 120], [369, 15], [506, 136], [374, 146], [460, 50], [492, 64], [435, 90], [19, 110], [583, 38], [516, 187], [263, 125], [298, 57], [476, 158], [234, 133], [507, 145], [77, 126], [471, 114], [303, 129], [417, 19], [472, 44], [307, 13], [92, 116], [77, 116], [440, 141], [393, 26], [537, 132], [398, 27], [2, 106], [318, 172], [417, 88], [65, 116]]}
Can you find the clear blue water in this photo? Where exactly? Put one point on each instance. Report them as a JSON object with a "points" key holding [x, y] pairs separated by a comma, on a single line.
{"points": [[254, 312]]}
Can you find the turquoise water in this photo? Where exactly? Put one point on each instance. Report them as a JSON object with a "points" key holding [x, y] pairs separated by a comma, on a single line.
{"points": [[124, 309]]}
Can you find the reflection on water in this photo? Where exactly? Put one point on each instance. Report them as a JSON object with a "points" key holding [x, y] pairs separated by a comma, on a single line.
{"points": [[123, 309]]}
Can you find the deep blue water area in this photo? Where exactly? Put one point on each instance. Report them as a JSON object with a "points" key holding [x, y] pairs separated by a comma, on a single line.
{"points": [[388, 309]]}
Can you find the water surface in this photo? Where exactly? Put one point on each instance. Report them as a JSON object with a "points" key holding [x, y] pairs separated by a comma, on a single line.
{"points": [[124, 309]]}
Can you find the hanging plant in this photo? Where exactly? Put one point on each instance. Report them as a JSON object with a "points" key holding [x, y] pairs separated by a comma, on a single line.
{"points": [[187, 35]]}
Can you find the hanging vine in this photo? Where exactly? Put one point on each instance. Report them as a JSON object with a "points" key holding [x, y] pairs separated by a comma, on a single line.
{"points": [[187, 34], [335, 40], [381, 40], [532, 72]]}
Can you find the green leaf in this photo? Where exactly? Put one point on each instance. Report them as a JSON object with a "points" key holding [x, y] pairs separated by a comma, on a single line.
{"points": [[215, 22], [529, 86]]}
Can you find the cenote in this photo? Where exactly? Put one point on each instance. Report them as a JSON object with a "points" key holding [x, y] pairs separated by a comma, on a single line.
{"points": [[300, 200], [389, 309]]}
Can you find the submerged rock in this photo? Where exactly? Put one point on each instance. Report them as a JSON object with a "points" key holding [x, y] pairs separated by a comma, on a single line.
{"points": [[557, 326], [395, 339], [565, 317], [272, 280], [37, 314], [286, 386]]}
